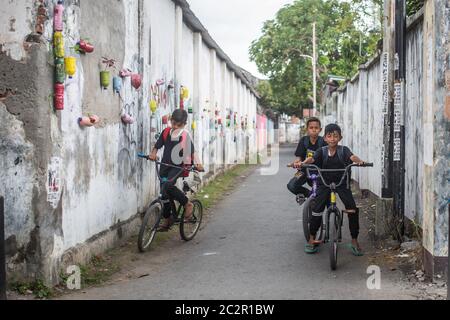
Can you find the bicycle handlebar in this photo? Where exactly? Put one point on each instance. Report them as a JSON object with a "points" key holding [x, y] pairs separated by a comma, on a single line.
{"points": [[189, 168], [346, 170]]}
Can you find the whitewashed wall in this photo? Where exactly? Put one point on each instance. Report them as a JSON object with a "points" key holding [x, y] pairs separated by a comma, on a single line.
{"points": [[103, 182], [359, 112], [414, 125]]}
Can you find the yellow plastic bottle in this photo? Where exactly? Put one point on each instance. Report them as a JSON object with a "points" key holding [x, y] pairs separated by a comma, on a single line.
{"points": [[58, 43], [185, 93], [153, 105], [71, 66]]}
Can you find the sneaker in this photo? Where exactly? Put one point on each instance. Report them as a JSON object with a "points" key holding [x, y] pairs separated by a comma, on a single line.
{"points": [[301, 199]]}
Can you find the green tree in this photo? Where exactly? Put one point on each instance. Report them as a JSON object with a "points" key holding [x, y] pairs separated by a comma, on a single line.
{"points": [[344, 40], [413, 6]]}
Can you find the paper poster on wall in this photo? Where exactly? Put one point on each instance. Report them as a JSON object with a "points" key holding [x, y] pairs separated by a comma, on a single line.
{"points": [[385, 82], [397, 149], [54, 181], [397, 107]]}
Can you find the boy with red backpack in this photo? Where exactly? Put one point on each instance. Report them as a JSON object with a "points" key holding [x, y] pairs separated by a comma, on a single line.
{"points": [[178, 151]]}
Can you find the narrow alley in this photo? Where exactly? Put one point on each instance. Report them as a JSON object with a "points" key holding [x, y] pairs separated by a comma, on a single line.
{"points": [[253, 246]]}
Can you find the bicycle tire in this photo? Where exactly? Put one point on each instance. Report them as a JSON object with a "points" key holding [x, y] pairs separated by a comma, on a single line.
{"points": [[150, 223], [188, 230], [334, 240], [307, 214]]}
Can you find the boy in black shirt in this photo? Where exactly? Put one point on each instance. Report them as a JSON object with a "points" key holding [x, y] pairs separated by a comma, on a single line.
{"points": [[306, 148], [334, 157], [178, 150]]}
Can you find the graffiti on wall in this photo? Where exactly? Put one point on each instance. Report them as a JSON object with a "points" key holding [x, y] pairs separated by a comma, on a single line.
{"points": [[54, 182]]}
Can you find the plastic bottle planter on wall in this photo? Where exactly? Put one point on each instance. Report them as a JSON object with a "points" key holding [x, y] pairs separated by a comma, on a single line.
{"points": [[194, 125], [184, 96], [153, 105], [105, 79], [127, 119], [60, 72], [85, 47], [58, 17], [58, 43], [71, 66], [59, 96], [184, 93], [190, 110], [136, 80], [117, 84], [88, 121], [165, 120]]}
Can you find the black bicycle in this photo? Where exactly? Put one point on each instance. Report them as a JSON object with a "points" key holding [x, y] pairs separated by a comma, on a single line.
{"points": [[333, 219], [153, 216]]}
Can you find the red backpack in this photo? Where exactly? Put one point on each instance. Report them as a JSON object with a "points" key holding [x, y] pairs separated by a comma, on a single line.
{"points": [[184, 139]]}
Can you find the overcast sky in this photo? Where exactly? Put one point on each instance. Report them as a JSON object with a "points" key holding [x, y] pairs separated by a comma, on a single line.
{"points": [[234, 24]]}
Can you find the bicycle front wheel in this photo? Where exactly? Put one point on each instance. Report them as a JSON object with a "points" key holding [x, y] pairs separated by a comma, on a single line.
{"points": [[307, 215], [149, 226], [189, 229], [334, 226]]}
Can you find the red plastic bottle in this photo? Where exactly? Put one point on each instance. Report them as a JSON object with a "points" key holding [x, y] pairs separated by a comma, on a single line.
{"points": [[59, 96]]}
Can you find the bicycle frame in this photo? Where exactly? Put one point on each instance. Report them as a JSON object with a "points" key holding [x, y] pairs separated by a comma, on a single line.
{"points": [[333, 196], [314, 178], [166, 182]]}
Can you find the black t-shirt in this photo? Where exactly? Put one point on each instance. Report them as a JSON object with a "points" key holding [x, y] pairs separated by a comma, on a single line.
{"points": [[305, 153], [333, 163], [173, 151]]}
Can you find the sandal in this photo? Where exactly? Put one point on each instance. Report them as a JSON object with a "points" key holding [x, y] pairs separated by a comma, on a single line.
{"points": [[311, 249], [357, 252], [166, 226]]}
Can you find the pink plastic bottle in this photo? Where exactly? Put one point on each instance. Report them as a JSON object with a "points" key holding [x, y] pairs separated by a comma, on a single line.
{"points": [[58, 16]]}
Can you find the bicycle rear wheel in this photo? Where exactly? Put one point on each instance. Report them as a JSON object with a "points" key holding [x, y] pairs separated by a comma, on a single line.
{"points": [[149, 226], [188, 230], [334, 226]]}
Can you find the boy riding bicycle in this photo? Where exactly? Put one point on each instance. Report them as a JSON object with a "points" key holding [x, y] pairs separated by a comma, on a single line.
{"points": [[178, 150], [306, 148], [333, 157]]}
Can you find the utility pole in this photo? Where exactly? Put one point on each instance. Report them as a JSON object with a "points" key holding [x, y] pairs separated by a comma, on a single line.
{"points": [[387, 99], [399, 111], [314, 70], [385, 215]]}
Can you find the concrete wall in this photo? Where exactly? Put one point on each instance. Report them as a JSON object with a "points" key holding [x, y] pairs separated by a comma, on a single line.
{"points": [[102, 186], [358, 107], [426, 120], [414, 125]]}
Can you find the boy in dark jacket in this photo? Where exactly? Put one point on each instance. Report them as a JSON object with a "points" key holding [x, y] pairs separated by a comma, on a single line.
{"points": [[336, 157], [306, 148]]}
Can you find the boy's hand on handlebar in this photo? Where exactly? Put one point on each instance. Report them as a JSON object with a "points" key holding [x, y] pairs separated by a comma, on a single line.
{"points": [[153, 157], [297, 164], [199, 168]]}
